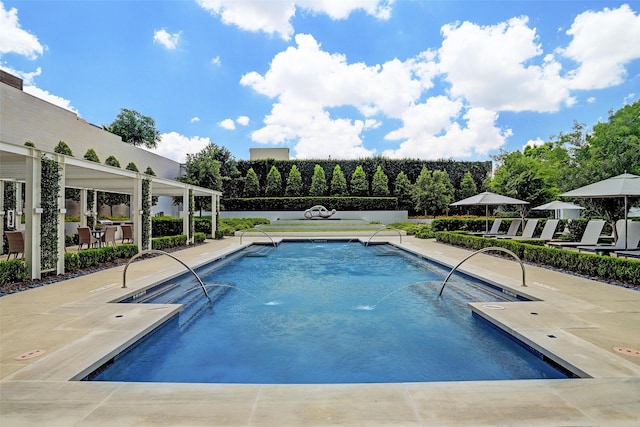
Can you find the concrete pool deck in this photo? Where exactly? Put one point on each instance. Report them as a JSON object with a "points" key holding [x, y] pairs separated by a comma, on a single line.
{"points": [[54, 334]]}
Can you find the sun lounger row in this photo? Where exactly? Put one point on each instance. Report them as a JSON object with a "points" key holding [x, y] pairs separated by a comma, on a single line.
{"points": [[548, 231]]}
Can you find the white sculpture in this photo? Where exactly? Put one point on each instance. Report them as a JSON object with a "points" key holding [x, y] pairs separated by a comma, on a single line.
{"points": [[318, 211]]}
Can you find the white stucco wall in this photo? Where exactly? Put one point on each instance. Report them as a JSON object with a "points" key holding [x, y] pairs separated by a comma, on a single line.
{"points": [[27, 118]]}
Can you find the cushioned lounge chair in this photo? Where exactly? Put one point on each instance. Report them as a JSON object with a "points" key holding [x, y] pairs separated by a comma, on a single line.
{"points": [[512, 231], [631, 242], [527, 231], [628, 254], [589, 237]]}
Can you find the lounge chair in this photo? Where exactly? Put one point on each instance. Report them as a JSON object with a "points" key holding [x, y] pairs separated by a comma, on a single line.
{"points": [[127, 232], [527, 231], [495, 227], [589, 237], [631, 242], [16, 243], [109, 235], [86, 238], [512, 231], [628, 254]]}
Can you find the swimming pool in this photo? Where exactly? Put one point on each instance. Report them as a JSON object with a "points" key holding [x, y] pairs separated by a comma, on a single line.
{"points": [[332, 312]]}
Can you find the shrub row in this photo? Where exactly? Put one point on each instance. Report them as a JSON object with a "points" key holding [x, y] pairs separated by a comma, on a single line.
{"points": [[13, 271], [606, 268], [303, 203], [228, 226], [74, 261], [166, 242]]}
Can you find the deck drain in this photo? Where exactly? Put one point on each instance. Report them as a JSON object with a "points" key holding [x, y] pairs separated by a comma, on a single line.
{"points": [[30, 354], [493, 306], [627, 351]]}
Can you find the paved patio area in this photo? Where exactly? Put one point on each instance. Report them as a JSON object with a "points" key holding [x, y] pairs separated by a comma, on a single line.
{"points": [[55, 334]]}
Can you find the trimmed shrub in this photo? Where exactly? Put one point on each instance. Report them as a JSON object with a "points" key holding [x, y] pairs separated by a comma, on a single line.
{"points": [[13, 271], [606, 268], [161, 243]]}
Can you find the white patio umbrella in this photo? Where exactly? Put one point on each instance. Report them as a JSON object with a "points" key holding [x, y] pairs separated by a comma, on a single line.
{"points": [[625, 185], [487, 199], [556, 206]]}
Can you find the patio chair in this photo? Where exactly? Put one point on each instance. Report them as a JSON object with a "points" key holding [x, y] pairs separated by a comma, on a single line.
{"points": [[589, 237], [127, 232], [16, 243], [512, 231], [631, 242], [86, 238], [109, 235], [548, 231], [495, 227], [527, 232]]}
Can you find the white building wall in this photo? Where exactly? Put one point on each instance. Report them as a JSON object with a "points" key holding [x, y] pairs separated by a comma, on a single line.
{"points": [[27, 118]]}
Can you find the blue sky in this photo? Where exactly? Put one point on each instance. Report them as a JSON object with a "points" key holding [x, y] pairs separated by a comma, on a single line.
{"points": [[346, 79]]}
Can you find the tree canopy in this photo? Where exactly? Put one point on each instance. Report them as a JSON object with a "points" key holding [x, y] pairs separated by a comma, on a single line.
{"points": [[135, 129]]}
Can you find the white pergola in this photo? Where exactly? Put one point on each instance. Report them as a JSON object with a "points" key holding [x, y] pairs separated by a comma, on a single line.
{"points": [[22, 164]]}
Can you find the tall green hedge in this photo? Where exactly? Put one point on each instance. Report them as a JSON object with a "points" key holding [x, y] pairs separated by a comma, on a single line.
{"points": [[391, 167], [303, 203]]}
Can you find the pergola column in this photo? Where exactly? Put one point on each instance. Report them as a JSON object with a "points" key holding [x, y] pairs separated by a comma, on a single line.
{"points": [[61, 216], [2, 208], [33, 181], [186, 213], [83, 207], [136, 212], [215, 200]]}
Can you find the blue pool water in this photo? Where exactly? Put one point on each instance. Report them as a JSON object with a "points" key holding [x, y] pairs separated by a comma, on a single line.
{"points": [[332, 312]]}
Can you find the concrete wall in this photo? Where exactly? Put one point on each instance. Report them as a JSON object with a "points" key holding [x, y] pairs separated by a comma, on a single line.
{"points": [[384, 217], [28, 118]]}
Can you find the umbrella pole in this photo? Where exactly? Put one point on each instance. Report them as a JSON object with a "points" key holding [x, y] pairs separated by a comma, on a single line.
{"points": [[486, 219], [626, 242]]}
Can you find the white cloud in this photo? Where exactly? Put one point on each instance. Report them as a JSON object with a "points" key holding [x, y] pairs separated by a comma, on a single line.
{"points": [[13, 39], [176, 147], [227, 124], [166, 39], [440, 128], [603, 43], [274, 17], [243, 120], [481, 61], [216, 61], [54, 99], [194, 119], [306, 81]]}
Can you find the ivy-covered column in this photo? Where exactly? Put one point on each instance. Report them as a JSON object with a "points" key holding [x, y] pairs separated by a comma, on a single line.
{"points": [[50, 214], [33, 210], [2, 217], [146, 213], [62, 210]]}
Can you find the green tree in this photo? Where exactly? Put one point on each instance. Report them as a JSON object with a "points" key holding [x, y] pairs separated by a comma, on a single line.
{"points": [[338, 182], [294, 183], [359, 183], [202, 169], [318, 182], [91, 155], [433, 192], [467, 187], [135, 129], [380, 183], [610, 149], [274, 183], [63, 148], [403, 190], [251, 184]]}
